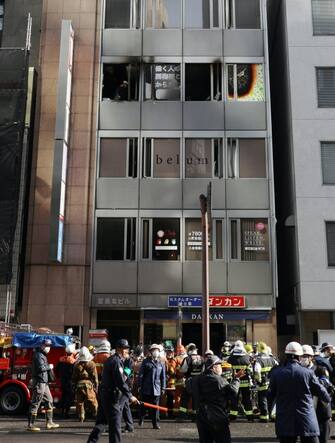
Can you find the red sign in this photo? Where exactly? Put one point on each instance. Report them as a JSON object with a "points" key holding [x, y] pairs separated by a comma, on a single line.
{"points": [[222, 301]]}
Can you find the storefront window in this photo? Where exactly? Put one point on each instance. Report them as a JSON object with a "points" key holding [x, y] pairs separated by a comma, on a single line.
{"points": [[153, 333], [162, 82], [163, 14], [166, 239], [236, 330], [161, 158], [246, 82]]}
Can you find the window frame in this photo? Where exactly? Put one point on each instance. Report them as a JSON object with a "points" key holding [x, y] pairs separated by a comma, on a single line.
{"points": [[153, 17], [130, 100], [313, 26], [328, 222], [221, 158], [319, 69], [238, 258], [237, 176], [127, 177], [211, 17], [2, 18], [133, 236], [132, 18], [230, 16]]}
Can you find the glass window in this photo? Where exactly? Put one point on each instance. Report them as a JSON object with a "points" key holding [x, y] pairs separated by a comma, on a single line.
{"points": [[161, 158], [123, 14], [112, 243], [163, 14], [2, 12], [254, 239], [193, 239], [120, 82], [325, 78], [118, 157], [328, 162], [246, 158], [203, 158], [330, 234], [162, 82], [219, 239], [203, 82], [246, 82], [202, 14], [323, 13], [243, 14], [165, 239]]}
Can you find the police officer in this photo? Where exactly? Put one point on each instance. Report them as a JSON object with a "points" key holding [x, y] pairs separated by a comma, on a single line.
{"points": [[41, 392], [112, 393], [211, 395], [262, 367]]}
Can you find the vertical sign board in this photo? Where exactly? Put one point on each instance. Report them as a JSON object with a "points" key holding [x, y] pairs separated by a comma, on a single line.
{"points": [[61, 141]]}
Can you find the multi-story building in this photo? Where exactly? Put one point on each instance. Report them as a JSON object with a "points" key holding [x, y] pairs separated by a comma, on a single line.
{"points": [[167, 96], [303, 88]]}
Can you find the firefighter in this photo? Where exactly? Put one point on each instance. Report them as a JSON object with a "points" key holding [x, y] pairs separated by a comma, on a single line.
{"points": [[239, 359], [65, 370], [225, 350], [41, 393], [191, 366], [180, 377], [171, 373], [85, 379], [102, 353], [262, 367]]}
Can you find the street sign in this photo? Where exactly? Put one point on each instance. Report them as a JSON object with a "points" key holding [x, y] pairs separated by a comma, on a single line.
{"points": [[215, 301]]}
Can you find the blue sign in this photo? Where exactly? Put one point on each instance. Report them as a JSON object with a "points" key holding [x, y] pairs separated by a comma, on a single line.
{"points": [[184, 302]]}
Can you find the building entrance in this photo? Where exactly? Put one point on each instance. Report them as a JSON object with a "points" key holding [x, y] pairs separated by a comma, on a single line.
{"points": [[120, 324], [192, 334]]}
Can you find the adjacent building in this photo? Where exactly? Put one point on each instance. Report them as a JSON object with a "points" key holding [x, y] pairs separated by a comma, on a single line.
{"points": [[303, 90]]}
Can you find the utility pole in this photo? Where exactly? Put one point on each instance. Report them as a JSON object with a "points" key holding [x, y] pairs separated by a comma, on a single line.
{"points": [[205, 207]]}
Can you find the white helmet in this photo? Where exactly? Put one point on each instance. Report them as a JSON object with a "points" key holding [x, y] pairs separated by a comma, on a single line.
{"points": [[84, 354], [294, 348], [70, 349], [307, 350]]}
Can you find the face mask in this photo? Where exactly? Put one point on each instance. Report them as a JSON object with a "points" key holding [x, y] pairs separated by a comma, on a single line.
{"points": [[46, 349], [155, 353], [304, 361]]}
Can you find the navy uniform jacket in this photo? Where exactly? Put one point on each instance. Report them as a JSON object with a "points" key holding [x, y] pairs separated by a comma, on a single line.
{"points": [[152, 377], [113, 378], [293, 387]]}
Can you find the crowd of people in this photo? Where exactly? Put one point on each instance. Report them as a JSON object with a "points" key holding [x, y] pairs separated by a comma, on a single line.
{"points": [[212, 390]]}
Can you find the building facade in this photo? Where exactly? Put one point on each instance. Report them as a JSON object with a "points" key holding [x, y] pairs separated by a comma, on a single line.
{"points": [[167, 96], [302, 40], [184, 101]]}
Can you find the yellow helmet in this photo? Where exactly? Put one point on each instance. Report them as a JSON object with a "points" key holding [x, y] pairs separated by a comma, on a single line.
{"points": [[248, 347], [262, 347]]}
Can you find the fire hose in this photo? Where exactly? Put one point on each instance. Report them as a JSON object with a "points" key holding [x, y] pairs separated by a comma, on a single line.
{"points": [[149, 405]]}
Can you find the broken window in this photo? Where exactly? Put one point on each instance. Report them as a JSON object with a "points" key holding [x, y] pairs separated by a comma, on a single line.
{"points": [[161, 158], [162, 82], [243, 14], [203, 158], [246, 158], [245, 82], [120, 82], [118, 157], [123, 14], [202, 14], [203, 82], [163, 14]]}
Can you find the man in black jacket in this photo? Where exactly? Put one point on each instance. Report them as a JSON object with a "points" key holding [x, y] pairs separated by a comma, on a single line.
{"points": [[211, 394], [41, 392], [113, 392]]}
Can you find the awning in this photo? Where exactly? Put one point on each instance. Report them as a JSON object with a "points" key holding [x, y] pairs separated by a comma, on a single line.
{"points": [[215, 315]]}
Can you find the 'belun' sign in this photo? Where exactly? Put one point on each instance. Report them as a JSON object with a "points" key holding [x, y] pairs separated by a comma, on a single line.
{"points": [[175, 160]]}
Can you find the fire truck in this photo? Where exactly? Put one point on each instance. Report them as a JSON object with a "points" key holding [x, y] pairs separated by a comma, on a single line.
{"points": [[17, 343]]}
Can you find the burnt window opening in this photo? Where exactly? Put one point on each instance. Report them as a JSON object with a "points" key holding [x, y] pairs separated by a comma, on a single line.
{"points": [[162, 82], [245, 82], [203, 82], [120, 82]]}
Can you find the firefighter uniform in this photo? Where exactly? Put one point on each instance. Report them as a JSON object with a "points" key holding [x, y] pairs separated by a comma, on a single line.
{"points": [[85, 379], [263, 365], [239, 359], [102, 353], [65, 370], [171, 371]]}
